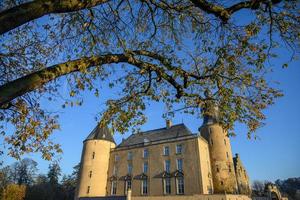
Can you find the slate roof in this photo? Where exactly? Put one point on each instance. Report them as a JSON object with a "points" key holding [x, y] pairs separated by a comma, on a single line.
{"points": [[174, 131], [100, 133]]}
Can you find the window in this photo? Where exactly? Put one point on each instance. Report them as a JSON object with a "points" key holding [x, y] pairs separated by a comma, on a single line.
{"points": [[115, 171], [90, 174], [127, 185], [88, 190], [113, 187], [211, 142], [218, 169], [129, 156], [167, 166], [129, 168], [145, 167], [225, 141], [117, 158], [93, 155], [167, 185], [179, 164], [229, 168], [222, 183], [144, 186], [227, 155], [145, 153], [166, 151], [180, 185], [178, 148]]}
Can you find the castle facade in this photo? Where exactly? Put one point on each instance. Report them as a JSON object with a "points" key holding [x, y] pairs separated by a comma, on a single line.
{"points": [[170, 161]]}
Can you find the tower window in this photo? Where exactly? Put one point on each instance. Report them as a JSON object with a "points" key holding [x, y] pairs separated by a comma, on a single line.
{"points": [[166, 151], [88, 190], [229, 168], [145, 153], [180, 185], [211, 142], [178, 148], [144, 186], [167, 185], [227, 155], [90, 174], [222, 183], [225, 141], [218, 170], [93, 155], [167, 166]]}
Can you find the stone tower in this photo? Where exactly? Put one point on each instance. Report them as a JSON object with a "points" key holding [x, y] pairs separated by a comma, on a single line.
{"points": [[223, 173], [95, 163]]}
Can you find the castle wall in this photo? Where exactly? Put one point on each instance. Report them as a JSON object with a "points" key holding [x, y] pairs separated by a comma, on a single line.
{"points": [[224, 179], [205, 166], [242, 177], [94, 168], [193, 183]]}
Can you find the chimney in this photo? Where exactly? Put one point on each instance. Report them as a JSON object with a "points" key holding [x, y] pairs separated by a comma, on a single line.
{"points": [[168, 123]]}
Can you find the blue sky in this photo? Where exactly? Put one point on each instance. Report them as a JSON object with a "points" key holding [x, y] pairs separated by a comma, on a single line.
{"points": [[274, 156]]}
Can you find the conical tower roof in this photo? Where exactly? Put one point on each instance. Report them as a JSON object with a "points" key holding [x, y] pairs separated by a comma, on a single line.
{"points": [[100, 133]]}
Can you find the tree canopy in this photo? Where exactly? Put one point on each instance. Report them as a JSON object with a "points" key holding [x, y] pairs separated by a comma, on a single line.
{"points": [[188, 54]]}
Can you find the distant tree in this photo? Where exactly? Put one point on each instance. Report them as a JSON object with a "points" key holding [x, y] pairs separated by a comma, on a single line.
{"points": [[150, 50], [289, 187], [14, 192], [54, 173], [24, 171], [258, 187]]}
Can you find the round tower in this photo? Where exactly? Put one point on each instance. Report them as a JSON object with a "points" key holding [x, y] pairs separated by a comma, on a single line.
{"points": [[223, 174], [94, 163]]}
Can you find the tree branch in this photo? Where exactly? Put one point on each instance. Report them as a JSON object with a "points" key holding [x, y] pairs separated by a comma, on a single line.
{"points": [[21, 14], [225, 13]]}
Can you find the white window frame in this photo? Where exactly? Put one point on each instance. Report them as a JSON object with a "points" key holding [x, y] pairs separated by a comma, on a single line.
{"points": [[169, 168], [177, 148], [178, 185], [165, 185], [113, 186], [142, 187], [165, 152], [145, 155], [177, 163], [145, 164], [129, 166]]}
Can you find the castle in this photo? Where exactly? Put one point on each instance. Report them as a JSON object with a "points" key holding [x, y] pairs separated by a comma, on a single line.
{"points": [[169, 162]]}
